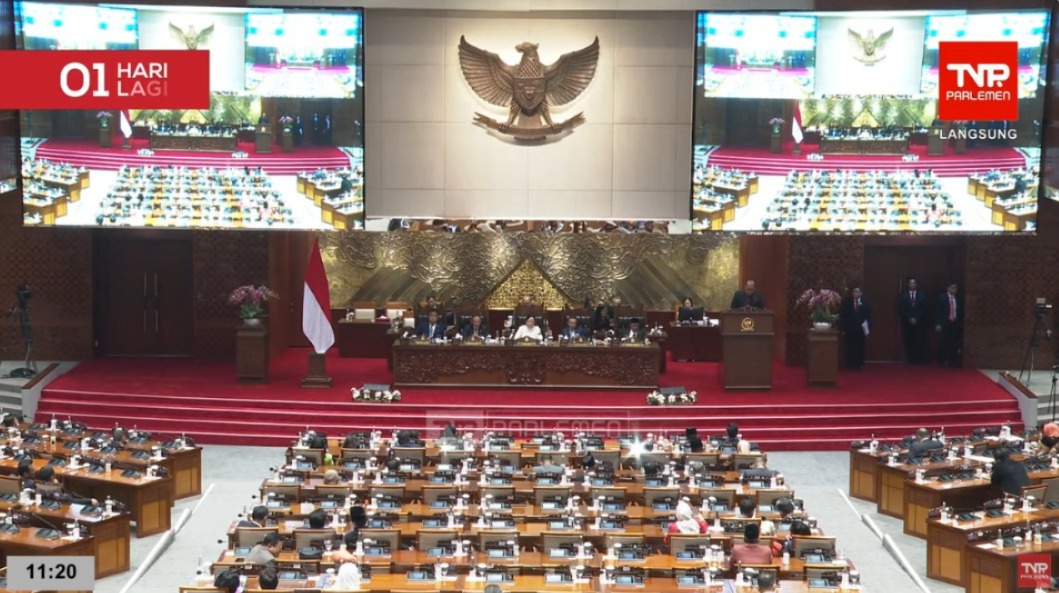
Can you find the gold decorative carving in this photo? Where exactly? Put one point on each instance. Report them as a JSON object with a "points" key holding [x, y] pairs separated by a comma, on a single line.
{"points": [[653, 270], [526, 279], [747, 324]]}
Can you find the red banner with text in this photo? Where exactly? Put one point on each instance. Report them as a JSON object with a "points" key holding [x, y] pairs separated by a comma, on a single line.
{"points": [[107, 79]]}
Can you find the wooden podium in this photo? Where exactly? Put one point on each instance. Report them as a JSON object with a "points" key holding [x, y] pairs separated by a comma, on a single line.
{"points": [[935, 145], [263, 139], [746, 335]]}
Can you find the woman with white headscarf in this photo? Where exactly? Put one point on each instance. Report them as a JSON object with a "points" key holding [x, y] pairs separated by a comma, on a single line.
{"points": [[348, 578], [688, 521]]}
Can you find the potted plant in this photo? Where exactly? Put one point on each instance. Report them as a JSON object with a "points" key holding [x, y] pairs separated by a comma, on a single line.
{"points": [[103, 117], [287, 122], [776, 123], [251, 301], [822, 305]]}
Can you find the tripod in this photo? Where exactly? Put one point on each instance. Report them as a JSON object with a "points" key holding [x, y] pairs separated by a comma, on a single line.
{"points": [[1039, 331], [19, 319], [1051, 394]]}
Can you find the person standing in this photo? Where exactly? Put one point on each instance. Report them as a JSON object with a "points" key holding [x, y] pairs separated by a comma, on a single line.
{"points": [[749, 297], [912, 304], [950, 326], [855, 318]]}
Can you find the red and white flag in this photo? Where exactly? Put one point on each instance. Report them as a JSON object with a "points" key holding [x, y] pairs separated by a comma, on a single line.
{"points": [[796, 124], [125, 123], [316, 306]]}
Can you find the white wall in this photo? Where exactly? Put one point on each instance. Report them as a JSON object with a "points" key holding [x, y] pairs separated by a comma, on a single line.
{"points": [[839, 73], [426, 157], [227, 63]]}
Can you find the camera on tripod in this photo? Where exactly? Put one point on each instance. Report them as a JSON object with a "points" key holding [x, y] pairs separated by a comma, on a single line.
{"points": [[1041, 307]]}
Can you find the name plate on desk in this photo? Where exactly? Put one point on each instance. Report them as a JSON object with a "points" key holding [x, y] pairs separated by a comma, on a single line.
{"points": [[57, 573]]}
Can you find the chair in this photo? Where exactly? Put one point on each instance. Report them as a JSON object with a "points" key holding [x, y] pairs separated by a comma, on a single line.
{"points": [[540, 493], [391, 491], [316, 456], [624, 314], [489, 536], [551, 540], [585, 317], [1037, 492], [512, 458], [291, 492], [615, 492], [1051, 490], [433, 538], [651, 494], [432, 493], [768, 497], [523, 311], [497, 492], [650, 457], [679, 542], [333, 490], [389, 536], [417, 454], [625, 540], [360, 454], [749, 460], [556, 457], [708, 460], [10, 485], [248, 537], [801, 544], [821, 571], [723, 496], [304, 538], [611, 456]]}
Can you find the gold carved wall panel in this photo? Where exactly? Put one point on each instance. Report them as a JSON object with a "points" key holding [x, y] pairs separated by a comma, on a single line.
{"points": [[649, 269]]}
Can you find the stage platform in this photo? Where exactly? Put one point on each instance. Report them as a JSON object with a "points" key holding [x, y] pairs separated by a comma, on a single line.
{"points": [[762, 161], [85, 153], [174, 395]]}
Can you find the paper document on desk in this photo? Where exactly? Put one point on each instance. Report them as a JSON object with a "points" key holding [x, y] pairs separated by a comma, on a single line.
{"points": [[864, 326]]}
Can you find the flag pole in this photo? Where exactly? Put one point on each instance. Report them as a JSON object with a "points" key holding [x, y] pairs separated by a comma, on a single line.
{"points": [[316, 320]]}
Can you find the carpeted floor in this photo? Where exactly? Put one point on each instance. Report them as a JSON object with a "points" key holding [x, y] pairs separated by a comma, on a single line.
{"points": [[760, 160], [202, 398]]}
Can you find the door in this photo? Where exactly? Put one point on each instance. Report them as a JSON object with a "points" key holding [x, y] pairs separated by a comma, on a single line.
{"points": [[146, 293], [886, 269]]}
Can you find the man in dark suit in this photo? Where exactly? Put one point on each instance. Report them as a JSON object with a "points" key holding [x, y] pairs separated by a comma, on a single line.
{"points": [[475, 330], [748, 297], [923, 445], [856, 323], [431, 328], [949, 326], [572, 331], [1009, 476], [912, 304], [633, 333], [258, 516]]}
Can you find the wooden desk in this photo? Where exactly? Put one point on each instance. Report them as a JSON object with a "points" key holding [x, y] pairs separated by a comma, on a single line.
{"points": [[226, 143], [864, 474], [26, 543], [863, 146], [364, 339], [995, 571], [110, 535], [530, 365], [694, 342], [149, 500]]}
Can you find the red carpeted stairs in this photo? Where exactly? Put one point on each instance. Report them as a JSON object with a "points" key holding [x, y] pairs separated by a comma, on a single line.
{"points": [[202, 399], [764, 162], [82, 153]]}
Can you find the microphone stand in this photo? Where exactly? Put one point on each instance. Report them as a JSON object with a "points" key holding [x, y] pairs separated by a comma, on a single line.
{"points": [[22, 311]]}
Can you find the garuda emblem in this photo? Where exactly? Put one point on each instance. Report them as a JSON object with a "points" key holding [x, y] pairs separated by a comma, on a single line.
{"points": [[868, 47], [528, 89], [192, 38]]}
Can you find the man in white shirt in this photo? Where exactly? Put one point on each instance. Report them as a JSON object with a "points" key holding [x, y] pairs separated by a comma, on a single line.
{"points": [[529, 330]]}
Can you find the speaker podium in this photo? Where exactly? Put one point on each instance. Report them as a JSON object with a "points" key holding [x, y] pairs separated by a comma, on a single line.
{"points": [[263, 139], [746, 336]]}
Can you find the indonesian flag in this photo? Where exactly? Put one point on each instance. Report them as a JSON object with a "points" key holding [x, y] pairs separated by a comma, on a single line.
{"points": [[125, 122], [316, 306], [796, 124]]}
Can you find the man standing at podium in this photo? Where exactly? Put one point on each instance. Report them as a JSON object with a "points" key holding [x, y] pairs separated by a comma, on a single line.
{"points": [[749, 297]]}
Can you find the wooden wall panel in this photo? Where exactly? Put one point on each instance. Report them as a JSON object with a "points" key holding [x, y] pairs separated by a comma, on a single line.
{"points": [[223, 260], [763, 258]]}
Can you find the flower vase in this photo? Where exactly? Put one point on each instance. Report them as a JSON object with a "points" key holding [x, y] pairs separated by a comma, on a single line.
{"points": [[253, 322], [821, 325]]}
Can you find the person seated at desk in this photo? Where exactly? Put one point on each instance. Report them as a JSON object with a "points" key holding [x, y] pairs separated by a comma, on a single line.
{"points": [[228, 581], [689, 522], [748, 297], [1049, 438], [258, 516], [572, 330], [475, 330], [431, 328], [268, 579], [1009, 476], [634, 333], [547, 466], [747, 508], [603, 319], [923, 445], [266, 551], [25, 472], [332, 478], [529, 330], [751, 551], [53, 491], [348, 578]]}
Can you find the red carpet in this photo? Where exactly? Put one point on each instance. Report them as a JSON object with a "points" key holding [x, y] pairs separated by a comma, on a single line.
{"points": [[762, 161], [202, 399], [84, 153]]}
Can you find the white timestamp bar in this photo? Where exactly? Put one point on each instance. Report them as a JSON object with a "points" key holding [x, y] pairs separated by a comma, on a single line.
{"points": [[58, 573]]}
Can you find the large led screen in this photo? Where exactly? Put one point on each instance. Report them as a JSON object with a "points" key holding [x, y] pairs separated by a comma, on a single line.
{"points": [[829, 121], [280, 146]]}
